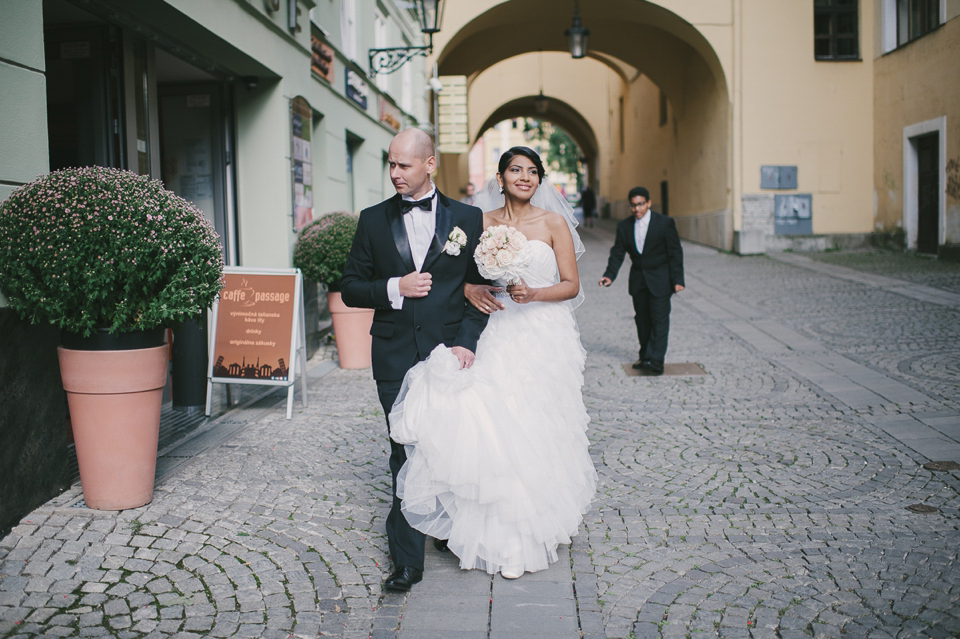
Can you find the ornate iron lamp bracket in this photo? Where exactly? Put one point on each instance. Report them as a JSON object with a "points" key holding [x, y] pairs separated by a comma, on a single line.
{"points": [[390, 59]]}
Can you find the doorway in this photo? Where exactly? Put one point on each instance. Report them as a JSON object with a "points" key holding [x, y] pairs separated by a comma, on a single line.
{"points": [[84, 96], [924, 178], [928, 190]]}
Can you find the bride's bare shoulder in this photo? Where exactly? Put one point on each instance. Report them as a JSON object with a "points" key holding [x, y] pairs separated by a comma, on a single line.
{"points": [[492, 218]]}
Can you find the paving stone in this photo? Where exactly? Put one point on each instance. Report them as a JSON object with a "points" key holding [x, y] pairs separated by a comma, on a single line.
{"points": [[762, 499]]}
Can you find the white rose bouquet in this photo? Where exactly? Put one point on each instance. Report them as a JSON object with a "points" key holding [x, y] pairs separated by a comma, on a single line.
{"points": [[502, 254]]}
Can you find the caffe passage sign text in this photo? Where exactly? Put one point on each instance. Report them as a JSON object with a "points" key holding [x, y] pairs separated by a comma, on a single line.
{"points": [[255, 322]]}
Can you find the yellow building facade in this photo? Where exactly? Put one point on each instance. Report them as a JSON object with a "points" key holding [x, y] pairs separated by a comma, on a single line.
{"points": [[758, 124]]}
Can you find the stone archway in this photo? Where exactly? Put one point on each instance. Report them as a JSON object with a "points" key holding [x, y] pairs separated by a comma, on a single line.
{"points": [[649, 56]]}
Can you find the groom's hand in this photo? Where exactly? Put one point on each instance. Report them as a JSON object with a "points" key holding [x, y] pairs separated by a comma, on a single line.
{"points": [[415, 284], [465, 356]]}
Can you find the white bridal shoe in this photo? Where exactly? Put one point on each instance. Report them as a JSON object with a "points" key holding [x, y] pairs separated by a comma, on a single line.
{"points": [[511, 572]]}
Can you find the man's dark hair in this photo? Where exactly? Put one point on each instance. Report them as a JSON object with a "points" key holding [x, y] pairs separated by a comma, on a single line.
{"points": [[639, 190]]}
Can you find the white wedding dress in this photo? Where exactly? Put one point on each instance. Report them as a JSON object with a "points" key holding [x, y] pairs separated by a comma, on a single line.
{"points": [[497, 453]]}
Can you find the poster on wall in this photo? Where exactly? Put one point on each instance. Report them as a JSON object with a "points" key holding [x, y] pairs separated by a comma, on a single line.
{"points": [[258, 330], [793, 214], [301, 119]]}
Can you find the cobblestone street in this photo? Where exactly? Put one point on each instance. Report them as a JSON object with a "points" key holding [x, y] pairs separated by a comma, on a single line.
{"points": [[767, 498]]}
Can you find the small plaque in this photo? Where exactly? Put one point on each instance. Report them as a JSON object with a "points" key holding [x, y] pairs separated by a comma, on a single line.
{"points": [[774, 176]]}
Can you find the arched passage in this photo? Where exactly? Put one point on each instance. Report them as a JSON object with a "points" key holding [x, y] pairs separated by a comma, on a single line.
{"points": [[659, 108], [560, 114]]}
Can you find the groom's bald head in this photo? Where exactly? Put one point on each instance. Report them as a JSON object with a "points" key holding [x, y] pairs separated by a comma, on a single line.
{"points": [[417, 141], [412, 160]]}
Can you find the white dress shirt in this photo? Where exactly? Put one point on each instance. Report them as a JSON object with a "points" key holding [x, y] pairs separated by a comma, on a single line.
{"points": [[640, 231], [421, 226]]}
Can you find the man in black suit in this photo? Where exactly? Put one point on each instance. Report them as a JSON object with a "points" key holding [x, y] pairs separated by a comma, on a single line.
{"points": [[656, 273], [409, 262]]}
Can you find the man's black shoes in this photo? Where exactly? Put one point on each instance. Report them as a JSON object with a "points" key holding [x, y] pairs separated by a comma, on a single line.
{"points": [[652, 367], [441, 545], [403, 578]]}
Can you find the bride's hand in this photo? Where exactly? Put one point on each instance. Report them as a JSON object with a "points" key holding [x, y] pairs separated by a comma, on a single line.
{"points": [[521, 293], [481, 296]]}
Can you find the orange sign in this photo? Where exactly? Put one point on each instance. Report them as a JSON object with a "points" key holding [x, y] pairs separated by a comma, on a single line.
{"points": [[321, 58], [255, 322]]}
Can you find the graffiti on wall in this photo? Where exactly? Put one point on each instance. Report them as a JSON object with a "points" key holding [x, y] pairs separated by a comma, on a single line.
{"points": [[953, 178]]}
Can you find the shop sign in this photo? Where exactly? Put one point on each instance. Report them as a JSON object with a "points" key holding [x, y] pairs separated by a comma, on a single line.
{"points": [[390, 115], [356, 89], [321, 58], [258, 330], [301, 123], [452, 113]]}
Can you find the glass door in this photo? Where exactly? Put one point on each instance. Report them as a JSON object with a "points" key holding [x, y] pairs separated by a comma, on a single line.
{"points": [[193, 152]]}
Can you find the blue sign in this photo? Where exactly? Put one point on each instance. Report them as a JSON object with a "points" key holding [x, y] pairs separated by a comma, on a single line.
{"points": [[356, 89]]}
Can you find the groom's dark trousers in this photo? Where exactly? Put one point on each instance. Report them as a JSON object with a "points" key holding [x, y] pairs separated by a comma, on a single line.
{"points": [[403, 337], [653, 275]]}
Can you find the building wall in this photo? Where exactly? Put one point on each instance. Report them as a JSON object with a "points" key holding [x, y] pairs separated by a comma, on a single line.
{"points": [[916, 83], [817, 115], [264, 191], [33, 436], [23, 113], [242, 44]]}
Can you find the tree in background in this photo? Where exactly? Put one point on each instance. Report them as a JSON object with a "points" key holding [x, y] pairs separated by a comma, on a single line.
{"points": [[560, 152]]}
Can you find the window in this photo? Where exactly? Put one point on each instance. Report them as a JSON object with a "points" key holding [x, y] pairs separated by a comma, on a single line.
{"points": [[348, 27], [380, 42], [406, 86], [916, 18], [623, 135], [836, 28]]}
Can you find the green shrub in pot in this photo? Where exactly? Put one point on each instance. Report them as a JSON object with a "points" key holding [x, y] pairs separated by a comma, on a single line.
{"points": [[94, 248]]}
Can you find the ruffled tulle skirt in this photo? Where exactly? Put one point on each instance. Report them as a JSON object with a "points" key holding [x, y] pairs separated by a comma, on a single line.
{"points": [[497, 454]]}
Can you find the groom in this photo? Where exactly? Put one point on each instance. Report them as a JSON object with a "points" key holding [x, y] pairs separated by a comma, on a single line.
{"points": [[656, 273], [403, 265]]}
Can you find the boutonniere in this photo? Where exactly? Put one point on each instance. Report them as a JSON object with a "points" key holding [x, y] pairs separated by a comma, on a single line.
{"points": [[455, 241]]}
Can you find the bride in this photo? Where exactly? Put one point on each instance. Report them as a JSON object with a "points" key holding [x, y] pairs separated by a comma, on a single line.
{"points": [[497, 459]]}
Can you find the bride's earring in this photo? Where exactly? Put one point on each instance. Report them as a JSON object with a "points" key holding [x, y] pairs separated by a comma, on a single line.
{"points": [[501, 188]]}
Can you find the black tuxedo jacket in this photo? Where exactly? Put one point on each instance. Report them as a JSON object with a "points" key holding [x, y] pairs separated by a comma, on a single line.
{"points": [[380, 251], [660, 267]]}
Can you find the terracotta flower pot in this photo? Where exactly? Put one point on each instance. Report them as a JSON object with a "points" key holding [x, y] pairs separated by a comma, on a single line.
{"points": [[351, 328], [115, 400]]}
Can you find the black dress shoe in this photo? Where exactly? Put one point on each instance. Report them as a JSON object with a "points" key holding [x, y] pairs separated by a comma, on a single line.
{"points": [[403, 579], [639, 365], [655, 367], [441, 545]]}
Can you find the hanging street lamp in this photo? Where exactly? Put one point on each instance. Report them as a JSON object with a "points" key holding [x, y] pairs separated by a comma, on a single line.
{"points": [[541, 102], [430, 13], [577, 35]]}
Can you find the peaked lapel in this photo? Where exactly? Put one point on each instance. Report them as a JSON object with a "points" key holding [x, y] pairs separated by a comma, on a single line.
{"points": [[399, 232], [443, 226]]}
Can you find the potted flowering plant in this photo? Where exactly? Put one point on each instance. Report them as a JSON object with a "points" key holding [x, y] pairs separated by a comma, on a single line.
{"points": [[111, 258], [321, 253]]}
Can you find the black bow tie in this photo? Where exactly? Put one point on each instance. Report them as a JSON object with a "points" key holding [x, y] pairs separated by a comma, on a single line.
{"points": [[406, 205]]}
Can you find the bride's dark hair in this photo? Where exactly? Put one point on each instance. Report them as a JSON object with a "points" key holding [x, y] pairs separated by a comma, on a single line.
{"points": [[526, 152]]}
